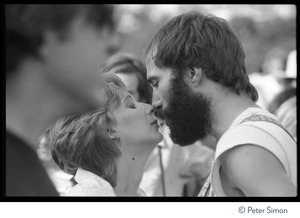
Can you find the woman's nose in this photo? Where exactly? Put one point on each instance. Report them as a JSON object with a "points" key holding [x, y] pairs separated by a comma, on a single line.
{"points": [[149, 109], [152, 111]]}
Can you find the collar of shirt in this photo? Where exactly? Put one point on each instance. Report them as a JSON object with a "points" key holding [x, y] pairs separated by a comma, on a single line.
{"points": [[87, 177]]}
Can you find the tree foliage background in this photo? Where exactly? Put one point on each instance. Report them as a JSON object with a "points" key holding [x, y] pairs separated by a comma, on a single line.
{"points": [[259, 27]]}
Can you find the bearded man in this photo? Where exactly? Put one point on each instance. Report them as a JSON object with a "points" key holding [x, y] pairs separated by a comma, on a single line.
{"points": [[195, 64]]}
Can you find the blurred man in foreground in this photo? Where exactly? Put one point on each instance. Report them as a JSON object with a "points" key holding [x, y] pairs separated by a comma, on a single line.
{"points": [[52, 56]]}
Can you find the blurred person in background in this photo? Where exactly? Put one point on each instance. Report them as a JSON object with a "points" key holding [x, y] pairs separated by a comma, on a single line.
{"points": [[266, 82], [52, 56], [106, 150], [284, 104], [291, 68], [170, 170], [196, 66], [133, 73]]}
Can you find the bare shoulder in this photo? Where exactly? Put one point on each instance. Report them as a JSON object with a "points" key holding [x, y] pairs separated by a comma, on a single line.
{"points": [[247, 154], [256, 171]]}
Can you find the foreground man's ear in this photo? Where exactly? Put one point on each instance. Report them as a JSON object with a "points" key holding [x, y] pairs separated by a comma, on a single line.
{"points": [[195, 75]]}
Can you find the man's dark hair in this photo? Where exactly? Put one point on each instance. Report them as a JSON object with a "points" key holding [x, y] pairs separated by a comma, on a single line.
{"points": [[26, 25], [196, 40]]}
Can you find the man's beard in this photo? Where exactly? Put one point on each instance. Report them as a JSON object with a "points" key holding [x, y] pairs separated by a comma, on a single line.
{"points": [[187, 114]]}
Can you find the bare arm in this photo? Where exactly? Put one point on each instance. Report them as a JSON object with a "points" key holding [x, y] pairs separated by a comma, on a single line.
{"points": [[256, 172]]}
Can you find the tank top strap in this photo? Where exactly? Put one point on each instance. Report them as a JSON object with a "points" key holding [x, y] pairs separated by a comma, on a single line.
{"points": [[261, 117]]}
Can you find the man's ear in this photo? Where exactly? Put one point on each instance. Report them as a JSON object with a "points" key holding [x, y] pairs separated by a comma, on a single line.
{"points": [[195, 75]]}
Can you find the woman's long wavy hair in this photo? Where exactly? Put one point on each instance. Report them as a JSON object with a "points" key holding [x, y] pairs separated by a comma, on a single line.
{"points": [[83, 141]]}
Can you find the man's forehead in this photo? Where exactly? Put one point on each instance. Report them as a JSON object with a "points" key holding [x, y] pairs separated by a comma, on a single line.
{"points": [[151, 70], [149, 60], [150, 66], [150, 57]]}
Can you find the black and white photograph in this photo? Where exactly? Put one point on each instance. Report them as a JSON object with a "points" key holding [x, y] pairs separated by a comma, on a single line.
{"points": [[151, 103]]}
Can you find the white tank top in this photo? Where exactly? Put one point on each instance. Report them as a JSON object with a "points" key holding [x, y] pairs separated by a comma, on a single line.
{"points": [[256, 132]]}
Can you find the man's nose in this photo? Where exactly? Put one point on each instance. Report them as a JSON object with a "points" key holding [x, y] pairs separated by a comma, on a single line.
{"points": [[156, 102]]}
